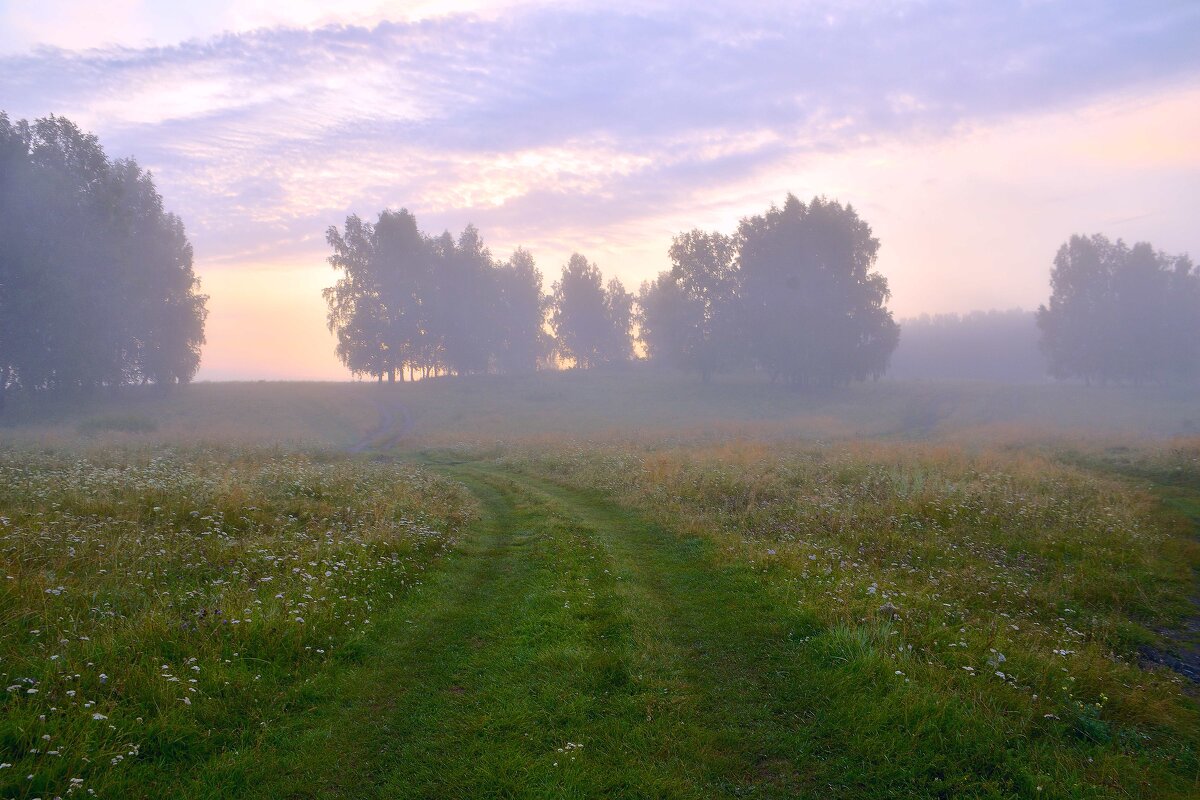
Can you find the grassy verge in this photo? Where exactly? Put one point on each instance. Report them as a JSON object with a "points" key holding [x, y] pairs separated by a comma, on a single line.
{"points": [[994, 601], [161, 607]]}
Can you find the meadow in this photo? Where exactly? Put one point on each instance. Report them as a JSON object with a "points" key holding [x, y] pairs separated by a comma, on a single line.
{"points": [[613, 584]]}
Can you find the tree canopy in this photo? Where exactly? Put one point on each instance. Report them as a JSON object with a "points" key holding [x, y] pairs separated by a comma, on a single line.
{"points": [[1121, 314], [793, 291], [406, 300], [591, 321], [96, 279], [689, 316]]}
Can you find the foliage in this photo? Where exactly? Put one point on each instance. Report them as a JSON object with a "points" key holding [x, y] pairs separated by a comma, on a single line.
{"points": [[409, 301], [96, 280], [1121, 314], [793, 292], [689, 315], [592, 322], [523, 341], [814, 309]]}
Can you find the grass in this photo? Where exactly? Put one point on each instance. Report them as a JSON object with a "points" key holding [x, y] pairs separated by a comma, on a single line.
{"points": [[159, 608], [1013, 590], [627, 405], [592, 585]]}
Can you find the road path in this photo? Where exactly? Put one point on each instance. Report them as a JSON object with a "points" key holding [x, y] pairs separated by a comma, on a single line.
{"points": [[568, 649]]}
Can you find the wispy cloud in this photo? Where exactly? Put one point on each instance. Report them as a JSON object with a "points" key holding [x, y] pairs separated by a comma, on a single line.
{"points": [[584, 115]]}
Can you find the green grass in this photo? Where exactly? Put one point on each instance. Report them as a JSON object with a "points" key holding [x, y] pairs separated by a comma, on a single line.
{"points": [[1011, 593], [159, 608], [595, 585]]}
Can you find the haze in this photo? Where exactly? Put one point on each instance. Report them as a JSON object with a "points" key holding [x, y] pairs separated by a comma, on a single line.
{"points": [[973, 139]]}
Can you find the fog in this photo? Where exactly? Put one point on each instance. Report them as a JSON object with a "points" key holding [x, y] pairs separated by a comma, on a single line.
{"points": [[622, 209], [997, 346], [513, 398]]}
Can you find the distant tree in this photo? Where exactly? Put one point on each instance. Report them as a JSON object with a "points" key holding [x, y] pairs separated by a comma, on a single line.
{"points": [[1181, 351], [430, 304], [592, 324], [1120, 314], [521, 311], [692, 310], [618, 306], [665, 319], [356, 313], [96, 280], [468, 322], [401, 277], [1000, 346], [814, 309]]}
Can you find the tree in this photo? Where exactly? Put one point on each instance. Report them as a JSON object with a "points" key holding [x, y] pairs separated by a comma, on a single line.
{"points": [[992, 345], [814, 309], [408, 301], [355, 304], [521, 315], [618, 308], [665, 320], [692, 309], [402, 273], [1120, 314], [592, 324], [96, 278]]}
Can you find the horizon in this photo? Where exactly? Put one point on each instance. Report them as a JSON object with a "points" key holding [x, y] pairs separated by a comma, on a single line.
{"points": [[606, 129]]}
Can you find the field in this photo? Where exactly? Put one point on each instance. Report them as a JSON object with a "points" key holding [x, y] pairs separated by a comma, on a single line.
{"points": [[601, 585]]}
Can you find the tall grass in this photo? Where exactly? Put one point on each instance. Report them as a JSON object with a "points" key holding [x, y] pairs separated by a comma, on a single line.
{"points": [[161, 606], [1004, 585]]}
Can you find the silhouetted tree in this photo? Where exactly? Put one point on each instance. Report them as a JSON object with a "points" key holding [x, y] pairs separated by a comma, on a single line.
{"points": [[814, 311], [96, 279], [467, 325], [521, 313], [696, 322], [592, 324], [618, 306], [1120, 314], [666, 318], [403, 274], [408, 301], [356, 314]]}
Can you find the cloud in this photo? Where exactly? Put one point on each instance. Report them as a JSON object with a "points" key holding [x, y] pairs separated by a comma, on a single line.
{"points": [[570, 119]]}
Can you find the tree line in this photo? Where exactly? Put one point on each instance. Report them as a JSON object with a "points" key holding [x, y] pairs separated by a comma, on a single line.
{"points": [[411, 303], [997, 346], [793, 290], [96, 280], [1121, 314], [97, 289]]}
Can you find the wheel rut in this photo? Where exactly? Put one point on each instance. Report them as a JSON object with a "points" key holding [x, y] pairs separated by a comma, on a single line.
{"points": [[568, 649]]}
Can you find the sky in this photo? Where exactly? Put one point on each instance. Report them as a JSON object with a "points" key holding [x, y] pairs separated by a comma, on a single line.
{"points": [[974, 138]]}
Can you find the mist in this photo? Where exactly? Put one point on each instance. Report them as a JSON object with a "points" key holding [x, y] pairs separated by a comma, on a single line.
{"points": [[601, 399]]}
